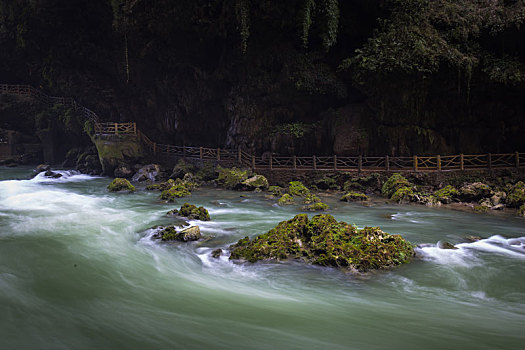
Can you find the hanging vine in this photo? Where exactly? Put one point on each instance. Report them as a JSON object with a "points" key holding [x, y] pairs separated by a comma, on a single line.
{"points": [[242, 11], [308, 10], [330, 14]]}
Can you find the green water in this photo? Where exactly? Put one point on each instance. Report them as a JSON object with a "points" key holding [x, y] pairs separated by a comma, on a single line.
{"points": [[78, 270]]}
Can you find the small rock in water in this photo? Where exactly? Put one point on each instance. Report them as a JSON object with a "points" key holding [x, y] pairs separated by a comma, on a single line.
{"points": [[472, 239], [42, 167], [498, 207], [169, 233], [216, 253], [52, 174], [445, 245]]}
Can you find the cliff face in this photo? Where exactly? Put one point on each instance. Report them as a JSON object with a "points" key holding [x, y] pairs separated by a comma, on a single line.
{"points": [[296, 77]]}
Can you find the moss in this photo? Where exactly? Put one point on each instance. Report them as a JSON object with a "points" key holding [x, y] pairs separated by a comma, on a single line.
{"points": [[318, 206], [286, 199], [163, 186], [516, 196], [403, 194], [170, 234], [363, 183], [256, 182], [446, 194], [327, 183], [521, 210], [232, 178], [354, 196], [324, 241], [311, 198], [296, 188], [276, 191], [394, 183], [191, 211], [481, 208], [350, 185], [174, 192], [120, 184]]}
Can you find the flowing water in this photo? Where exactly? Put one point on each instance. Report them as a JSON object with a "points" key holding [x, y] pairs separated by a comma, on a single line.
{"points": [[79, 270]]}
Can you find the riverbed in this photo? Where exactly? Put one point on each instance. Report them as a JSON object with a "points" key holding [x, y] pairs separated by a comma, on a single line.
{"points": [[80, 270]]}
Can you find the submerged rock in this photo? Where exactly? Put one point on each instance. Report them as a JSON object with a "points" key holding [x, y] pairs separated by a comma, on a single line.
{"points": [[445, 245], [190, 211], [52, 174], [120, 184], [216, 253], [324, 241]]}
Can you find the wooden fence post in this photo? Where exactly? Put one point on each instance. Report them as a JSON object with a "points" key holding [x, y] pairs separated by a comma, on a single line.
{"points": [[116, 128], [461, 162], [489, 161], [253, 162], [335, 162], [360, 163], [200, 152], [134, 124], [387, 163], [239, 155], [271, 161], [154, 148], [438, 159], [315, 163], [183, 151], [294, 160], [218, 154], [517, 160], [415, 163]]}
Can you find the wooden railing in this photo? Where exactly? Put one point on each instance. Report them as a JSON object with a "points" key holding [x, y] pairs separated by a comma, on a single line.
{"points": [[359, 163], [29, 91]]}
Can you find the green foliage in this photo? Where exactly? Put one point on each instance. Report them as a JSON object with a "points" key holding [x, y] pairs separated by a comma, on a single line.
{"points": [[296, 188], [395, 182], [242, 11], [354, 196], [505, 70], [120, 184], [296, 129], [190, 211], [324, 241], [308, 9], [329, 12]]}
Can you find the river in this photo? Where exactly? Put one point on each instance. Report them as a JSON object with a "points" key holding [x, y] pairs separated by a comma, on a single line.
{"points": [[79, 270]]}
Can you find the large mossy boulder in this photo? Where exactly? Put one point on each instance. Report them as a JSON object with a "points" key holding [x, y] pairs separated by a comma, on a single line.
{"points": [[324, 241], [446, 194], [516, 196], [473, 192], [256, 182], [232, 178], [395, 183], [170, 233], [182, 168], [191, 211], [120, 184], [296, 188]]}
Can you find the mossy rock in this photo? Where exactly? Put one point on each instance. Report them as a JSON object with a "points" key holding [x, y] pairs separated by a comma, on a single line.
{"points": [[481, 209], [174, 192], [216, 253], [256, 182], [327, 183], [516, 196], [163, 186], [191, 211], [474, 192], [362, 183], [276, 191], [232, 178], [311, 198], [181, 169], [446, 194], [404, 194], [170, 233], [296, 188], [318, 206], [324, 241], [120, 184], [394, 183], [521, 210], [354, 196], [286, 199]]}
